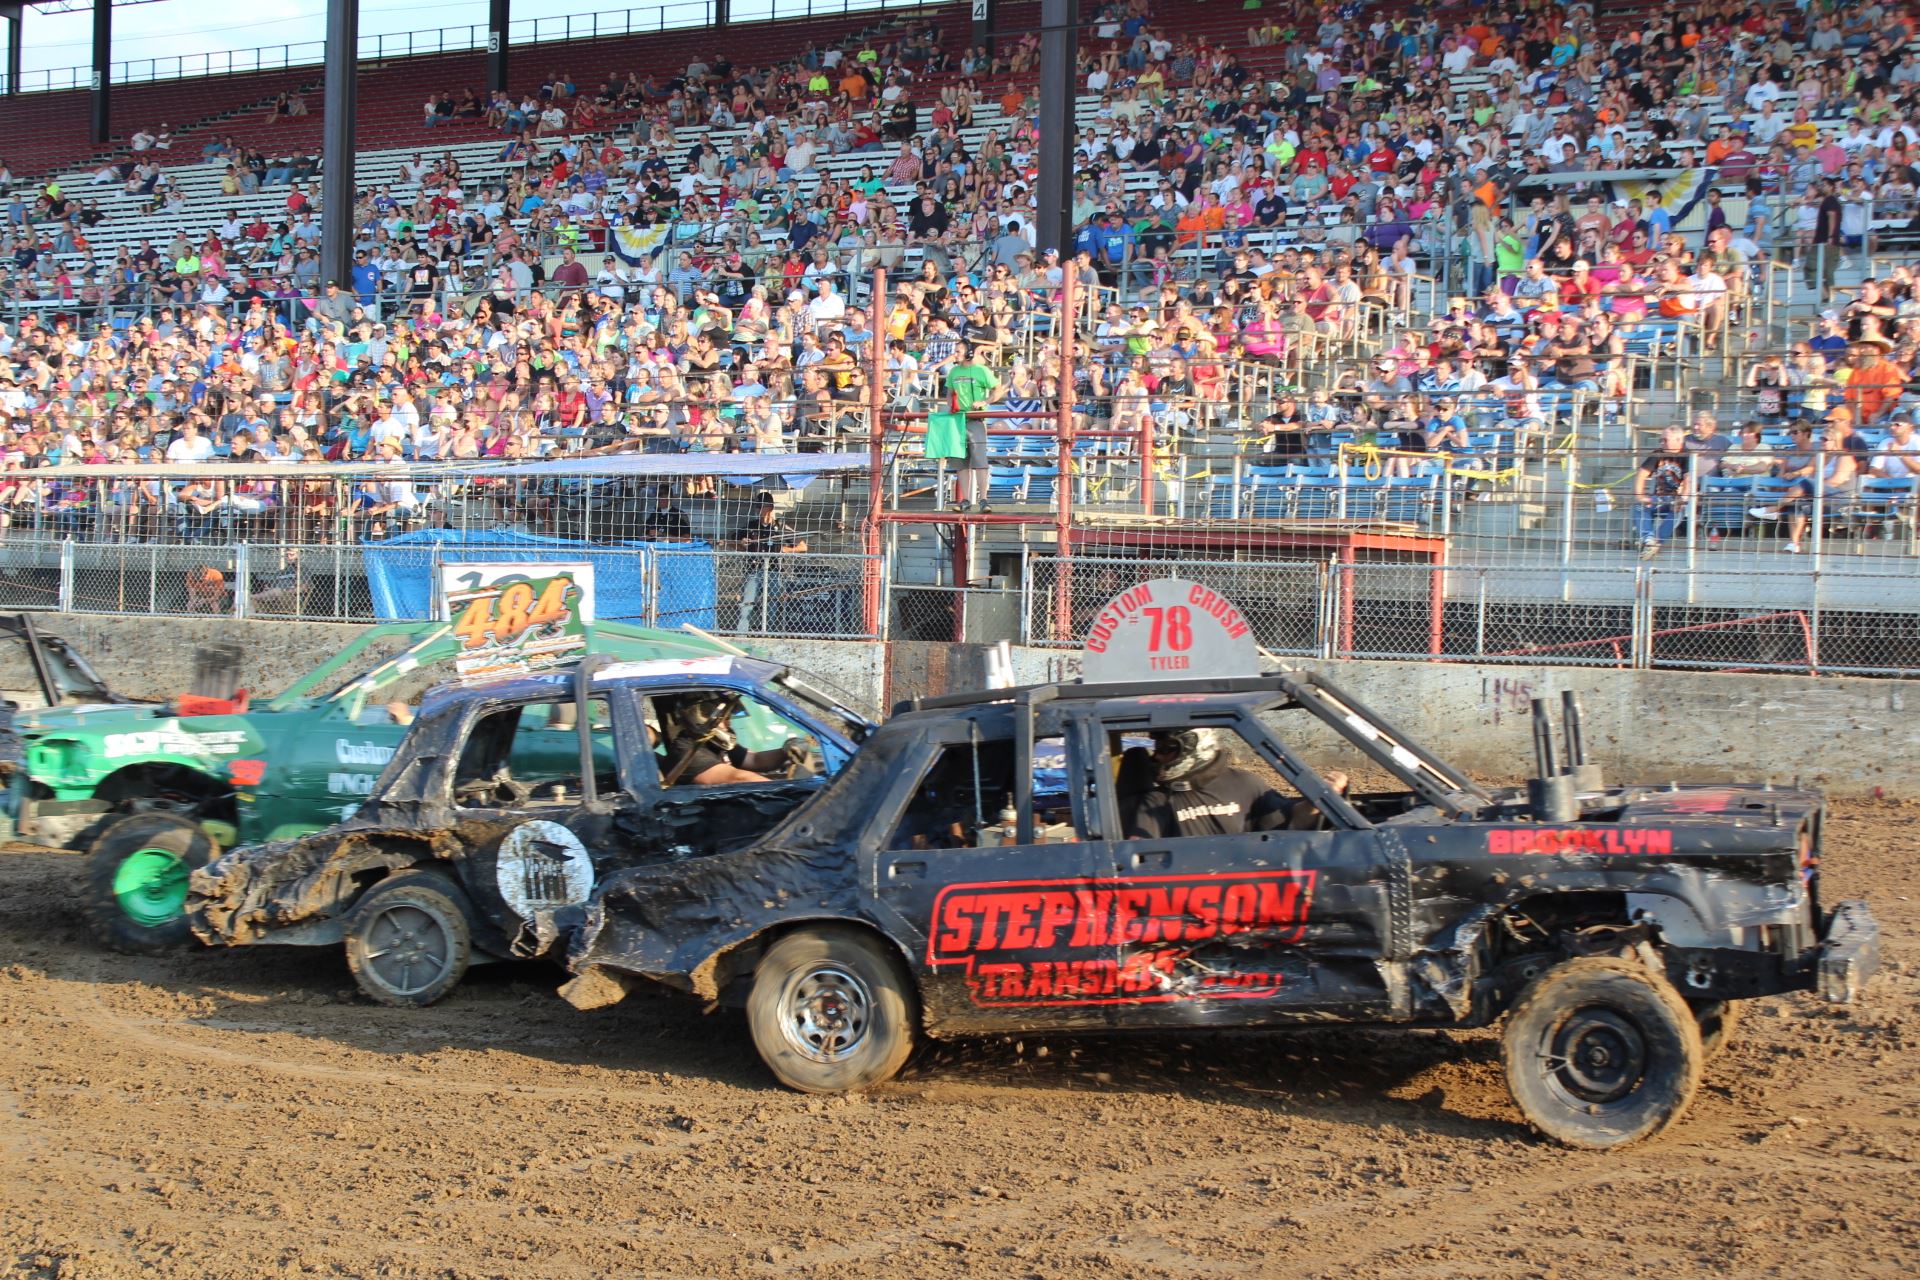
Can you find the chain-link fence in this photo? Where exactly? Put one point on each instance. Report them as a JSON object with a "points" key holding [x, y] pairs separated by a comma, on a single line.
{"points": [[1645, 616], [953, 615], [734, 592]]}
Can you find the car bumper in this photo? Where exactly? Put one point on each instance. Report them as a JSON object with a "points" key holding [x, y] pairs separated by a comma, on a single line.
{"points": [[1849, 954]]}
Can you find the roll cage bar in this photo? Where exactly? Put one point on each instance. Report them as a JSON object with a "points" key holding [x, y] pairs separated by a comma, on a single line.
{"points": [[1430, 777]]}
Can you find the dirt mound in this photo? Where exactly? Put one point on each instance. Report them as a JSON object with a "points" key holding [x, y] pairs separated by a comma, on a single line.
{"points": [[246, 1114]]}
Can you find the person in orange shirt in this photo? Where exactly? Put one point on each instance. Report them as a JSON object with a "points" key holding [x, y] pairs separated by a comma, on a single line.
{"points": [[1874, 384], [1191, 225], [854, 86], [1011, 101], [1718, 148]]}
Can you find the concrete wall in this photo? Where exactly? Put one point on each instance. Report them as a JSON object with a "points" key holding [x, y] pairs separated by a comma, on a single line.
{"points": [[1848, 735]]}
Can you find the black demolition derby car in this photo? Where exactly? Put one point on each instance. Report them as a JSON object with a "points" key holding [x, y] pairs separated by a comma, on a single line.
{"points": [[1143, 856], [508, 799]]}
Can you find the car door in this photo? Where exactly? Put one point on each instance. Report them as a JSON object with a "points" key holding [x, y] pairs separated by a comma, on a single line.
{"points": [[519, 769], [320, 766], [995, 918], [1260, 927]]}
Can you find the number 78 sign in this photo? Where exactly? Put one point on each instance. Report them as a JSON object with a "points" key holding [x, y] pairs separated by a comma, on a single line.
{"points": [[515, 618], [1168, 629]]}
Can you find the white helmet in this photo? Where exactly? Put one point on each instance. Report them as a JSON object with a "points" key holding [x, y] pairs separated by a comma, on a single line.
{"points": [[1192, 751]]}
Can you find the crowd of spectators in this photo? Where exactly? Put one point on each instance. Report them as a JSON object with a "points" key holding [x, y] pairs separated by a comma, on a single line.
{"points": [[1250, 214]]}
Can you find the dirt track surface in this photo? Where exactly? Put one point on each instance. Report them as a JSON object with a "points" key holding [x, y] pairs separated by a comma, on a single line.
{"points": [[245, 1114]]}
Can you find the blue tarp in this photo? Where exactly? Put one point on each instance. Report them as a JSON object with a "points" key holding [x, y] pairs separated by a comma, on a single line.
{"points": [[401, 574]]}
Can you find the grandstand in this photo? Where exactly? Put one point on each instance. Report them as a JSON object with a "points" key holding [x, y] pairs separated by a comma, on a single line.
{"points": [[1306, 355]]}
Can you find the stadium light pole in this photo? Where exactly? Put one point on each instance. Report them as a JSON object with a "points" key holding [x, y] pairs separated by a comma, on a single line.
{"points": [[336, 160], [102, 70], [497, 18], [1053, 213]]}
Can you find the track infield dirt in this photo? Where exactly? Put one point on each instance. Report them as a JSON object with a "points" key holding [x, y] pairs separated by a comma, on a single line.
{"points": [[247, 1114]]}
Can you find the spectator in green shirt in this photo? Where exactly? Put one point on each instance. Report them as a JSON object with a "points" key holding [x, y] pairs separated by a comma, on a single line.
{"points": [[973, 386]]}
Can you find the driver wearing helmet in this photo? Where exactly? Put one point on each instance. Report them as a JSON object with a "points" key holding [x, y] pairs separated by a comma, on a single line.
{"points": [[702, 750], [1192, 789]]}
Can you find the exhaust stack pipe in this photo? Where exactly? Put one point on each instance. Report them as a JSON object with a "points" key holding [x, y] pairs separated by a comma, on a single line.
{"points": [[1550, 793], [1586, 773]]}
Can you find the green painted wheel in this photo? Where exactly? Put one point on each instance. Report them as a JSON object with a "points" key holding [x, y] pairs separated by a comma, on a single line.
{"points": [[139, 881], [151, 886]]}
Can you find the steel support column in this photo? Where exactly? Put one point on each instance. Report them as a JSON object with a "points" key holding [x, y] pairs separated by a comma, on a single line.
{"points": [[722, 13], [16, 16], [497, 43], [102, 70], [336, 174], [873, 607], [1059, 38], [986, 16]]}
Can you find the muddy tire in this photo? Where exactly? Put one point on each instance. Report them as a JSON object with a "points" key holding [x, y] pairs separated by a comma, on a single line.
{"points": [[832, 1010], [1601, 1052], [410, 940], [1717, 1019], [136, 881]]}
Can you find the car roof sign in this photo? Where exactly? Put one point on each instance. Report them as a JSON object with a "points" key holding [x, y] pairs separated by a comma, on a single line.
{"points": [[1168, 629], [715, 666]]}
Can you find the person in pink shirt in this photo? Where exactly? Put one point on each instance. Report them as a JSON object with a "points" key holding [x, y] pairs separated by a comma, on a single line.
{"points": [[1830, 154]]}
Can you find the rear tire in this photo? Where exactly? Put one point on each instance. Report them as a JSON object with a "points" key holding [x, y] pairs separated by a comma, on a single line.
{"points": [[1601, 1052], [1717, 1019], [832, 1011], [410, 940], [136, 881]]}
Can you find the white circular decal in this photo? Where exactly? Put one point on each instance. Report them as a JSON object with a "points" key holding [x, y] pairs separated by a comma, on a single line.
{"points": [[542, 867], [1168, 629]]}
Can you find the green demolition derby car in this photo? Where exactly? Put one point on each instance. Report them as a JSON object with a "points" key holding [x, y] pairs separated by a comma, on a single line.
{"points": [[151, 791]]}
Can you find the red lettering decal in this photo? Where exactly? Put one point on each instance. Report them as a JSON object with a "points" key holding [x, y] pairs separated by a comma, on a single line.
{"points": [[1203, 913], [1499, 841], [1238, 908], [1018, 934], [1660, 842], [956, 926], [1056, 913]]}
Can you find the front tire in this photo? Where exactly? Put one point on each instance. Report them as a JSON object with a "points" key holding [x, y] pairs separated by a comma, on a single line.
{"points": [[410, 940], [136, 886], [1601, 1052], [832, 1011]]}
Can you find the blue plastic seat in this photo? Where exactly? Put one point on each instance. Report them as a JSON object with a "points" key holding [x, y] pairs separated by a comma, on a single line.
{"points": [[1724, 501], [1041, 482], [1006, 484]]}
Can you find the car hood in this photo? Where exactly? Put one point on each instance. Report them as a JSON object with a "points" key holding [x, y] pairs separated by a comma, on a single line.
{"points": [[86, 717], [1753, 801]]}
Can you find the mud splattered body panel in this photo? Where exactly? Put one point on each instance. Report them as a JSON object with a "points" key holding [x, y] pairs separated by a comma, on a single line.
{"points": [[989, 841], [499, 788]]}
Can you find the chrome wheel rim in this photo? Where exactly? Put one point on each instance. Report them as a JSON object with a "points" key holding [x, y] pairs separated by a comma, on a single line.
{"points": [[826, 1013]]}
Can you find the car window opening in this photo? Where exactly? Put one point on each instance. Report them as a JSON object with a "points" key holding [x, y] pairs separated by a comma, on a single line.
{"points": [[715, 737], [528, 755], [966, 797]]}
